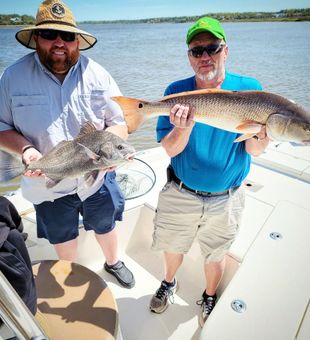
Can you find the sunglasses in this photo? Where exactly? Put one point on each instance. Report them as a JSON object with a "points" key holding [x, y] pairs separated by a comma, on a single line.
{"points": [[53, 34], [211, 50]]}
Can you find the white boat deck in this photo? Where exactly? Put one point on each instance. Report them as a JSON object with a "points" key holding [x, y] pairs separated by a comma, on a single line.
{"points": [[272, 283], [271, 276], [291, 160]]}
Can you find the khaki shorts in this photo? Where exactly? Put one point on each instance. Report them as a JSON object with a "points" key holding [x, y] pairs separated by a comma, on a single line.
{"points": [[181, 216]]}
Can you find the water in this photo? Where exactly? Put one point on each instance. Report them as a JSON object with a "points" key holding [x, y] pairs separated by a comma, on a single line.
{"points": [[145, 58]]}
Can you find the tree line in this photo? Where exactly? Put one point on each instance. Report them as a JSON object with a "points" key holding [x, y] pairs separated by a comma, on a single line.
{"points": [[301, 14], [16, 19]]}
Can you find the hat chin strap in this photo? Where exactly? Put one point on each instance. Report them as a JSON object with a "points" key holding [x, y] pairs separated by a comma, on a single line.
{"points": [[30, 37], [58, 22]]}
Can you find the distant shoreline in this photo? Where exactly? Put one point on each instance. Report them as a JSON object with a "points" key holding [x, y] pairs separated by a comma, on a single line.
{"points": [[176, 21], [182, 22], [129, 22]]}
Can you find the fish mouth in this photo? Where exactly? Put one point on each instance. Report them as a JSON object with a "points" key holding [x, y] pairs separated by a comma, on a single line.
{"points": [[307, 141], [130, 156]]}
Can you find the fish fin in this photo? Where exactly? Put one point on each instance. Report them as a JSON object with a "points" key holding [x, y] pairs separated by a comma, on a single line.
{"points": [[207, 91], [11, 166], [50, 183], [90, 177], [87, 128], [244, 137], [190, 93], [132, 110], [249, 127], [89, 153]]}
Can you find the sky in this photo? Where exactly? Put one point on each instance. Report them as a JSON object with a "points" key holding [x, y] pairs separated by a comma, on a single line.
{"points": [[140, 9]]}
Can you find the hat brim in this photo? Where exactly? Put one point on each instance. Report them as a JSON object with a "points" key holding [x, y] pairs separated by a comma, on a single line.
{"points": [[25, 35]]}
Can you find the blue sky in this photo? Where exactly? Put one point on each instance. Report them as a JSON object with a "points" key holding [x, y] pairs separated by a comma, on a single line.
{"points": [[137, 9]]}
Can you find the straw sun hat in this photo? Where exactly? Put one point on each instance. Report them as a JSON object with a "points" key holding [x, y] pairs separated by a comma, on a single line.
{"points": [[54, 14]]}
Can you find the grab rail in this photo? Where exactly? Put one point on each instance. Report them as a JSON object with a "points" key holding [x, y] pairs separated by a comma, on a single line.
{"points": [[16, 315]]}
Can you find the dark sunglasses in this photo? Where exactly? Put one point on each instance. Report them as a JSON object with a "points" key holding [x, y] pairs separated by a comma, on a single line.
{"points": [[211, 50], [53, 34]]}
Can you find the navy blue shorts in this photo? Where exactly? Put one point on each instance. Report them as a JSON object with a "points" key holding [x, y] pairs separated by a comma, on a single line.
{"points": [[58, 221]]}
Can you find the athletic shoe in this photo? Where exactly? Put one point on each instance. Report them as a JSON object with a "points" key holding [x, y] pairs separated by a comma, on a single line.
{"points": [[207, 304], [122, 274], [162, 297]]}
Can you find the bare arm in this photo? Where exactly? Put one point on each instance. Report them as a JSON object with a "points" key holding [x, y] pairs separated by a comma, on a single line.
{"points": [[119, 130], [254, 146], [13, 141], [176, 140]]}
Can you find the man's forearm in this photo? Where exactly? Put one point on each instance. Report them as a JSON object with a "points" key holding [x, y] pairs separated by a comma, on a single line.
{"points": [[176, 140], [119, 130], [13, 141]]}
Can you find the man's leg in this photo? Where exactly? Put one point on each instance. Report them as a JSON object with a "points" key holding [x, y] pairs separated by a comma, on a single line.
{"points": [[67, 250], [213, 273], [100, 212], [172, 263], [175, 228], [109, 245]]}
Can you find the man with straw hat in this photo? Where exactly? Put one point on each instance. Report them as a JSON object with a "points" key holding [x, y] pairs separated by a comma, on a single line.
{"points": [[45, 98]]}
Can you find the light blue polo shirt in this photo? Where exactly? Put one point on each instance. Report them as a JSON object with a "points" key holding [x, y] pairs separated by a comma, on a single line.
{"points": [[44, 110], [211, 161]]}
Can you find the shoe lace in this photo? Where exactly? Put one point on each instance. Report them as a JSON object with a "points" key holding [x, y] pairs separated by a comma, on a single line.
{"points": [[206, 304], [165, 291]]}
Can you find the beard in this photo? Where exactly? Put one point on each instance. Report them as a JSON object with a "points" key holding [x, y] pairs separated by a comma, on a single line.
{"points": [[207, 77], [56, 64], [212, 75]]}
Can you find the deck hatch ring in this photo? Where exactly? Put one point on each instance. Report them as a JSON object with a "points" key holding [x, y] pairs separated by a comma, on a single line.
{"points": [[238, 306], [275, 236]]}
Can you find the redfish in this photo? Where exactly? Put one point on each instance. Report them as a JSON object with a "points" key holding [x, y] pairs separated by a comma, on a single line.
{"points": [[242, 112]]}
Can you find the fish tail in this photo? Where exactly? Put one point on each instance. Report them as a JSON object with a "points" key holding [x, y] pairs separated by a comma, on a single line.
{"points": [[133, 113], [10, 166]]}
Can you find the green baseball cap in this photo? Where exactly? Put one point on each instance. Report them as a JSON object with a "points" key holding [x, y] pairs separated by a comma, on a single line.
{"points": [[206, 24]]}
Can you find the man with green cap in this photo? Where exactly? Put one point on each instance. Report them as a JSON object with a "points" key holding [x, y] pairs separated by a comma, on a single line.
{"points": [[45, 98], [203, 197]]}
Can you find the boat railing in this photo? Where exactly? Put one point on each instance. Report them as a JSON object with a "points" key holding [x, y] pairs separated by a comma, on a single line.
{"points": [[16, 315]]}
